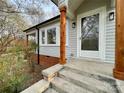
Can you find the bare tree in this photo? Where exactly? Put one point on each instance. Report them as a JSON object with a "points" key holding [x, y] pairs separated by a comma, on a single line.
{"points": [[17, 15], [34, 10], [7, 33]]}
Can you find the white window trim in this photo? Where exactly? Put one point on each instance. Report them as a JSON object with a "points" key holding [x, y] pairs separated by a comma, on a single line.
{"points": [[57, 35], [102, 48]]}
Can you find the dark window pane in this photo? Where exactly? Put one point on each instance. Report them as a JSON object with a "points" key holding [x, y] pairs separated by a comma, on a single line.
{"points": [[51, 36], [90, 33], [43, 37]]}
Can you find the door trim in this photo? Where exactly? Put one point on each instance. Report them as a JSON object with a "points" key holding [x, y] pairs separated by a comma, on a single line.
{"points": [[102, 11]]}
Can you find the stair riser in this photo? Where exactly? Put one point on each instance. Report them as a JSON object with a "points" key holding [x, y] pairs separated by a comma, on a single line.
{"points": [[98, 77], [50, 90], [57, 88], [83, 85]]}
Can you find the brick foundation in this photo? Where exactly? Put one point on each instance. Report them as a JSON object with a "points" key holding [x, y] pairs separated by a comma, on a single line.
{"points": [[45, 61]]}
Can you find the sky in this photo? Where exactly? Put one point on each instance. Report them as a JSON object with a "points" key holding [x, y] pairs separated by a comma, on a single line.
{"points": [[46, 7]]}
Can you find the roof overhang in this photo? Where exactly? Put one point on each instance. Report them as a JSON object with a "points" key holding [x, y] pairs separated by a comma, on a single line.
{"points": [[72, 6]]}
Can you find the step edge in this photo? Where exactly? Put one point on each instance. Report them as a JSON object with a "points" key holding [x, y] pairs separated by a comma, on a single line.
{"points": [[58, 88], [82, 84], [96, 75]]}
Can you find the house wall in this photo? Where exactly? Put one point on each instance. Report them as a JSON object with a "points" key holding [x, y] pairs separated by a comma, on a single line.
{"points": [[88, 5], [73, 40], [54, 50], [110, 40], [45, 60]]}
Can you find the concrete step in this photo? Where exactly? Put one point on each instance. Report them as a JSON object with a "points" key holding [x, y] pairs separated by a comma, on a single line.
{"points": [[63, 86], [90, 73], [38, 87], [86, 82], [50, 90]]}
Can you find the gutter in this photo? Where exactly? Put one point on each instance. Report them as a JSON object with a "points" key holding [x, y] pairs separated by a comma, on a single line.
{"points": [[38, 51], [54, 2]]}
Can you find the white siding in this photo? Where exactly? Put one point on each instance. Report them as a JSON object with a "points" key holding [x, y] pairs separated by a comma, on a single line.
{"points": [[110, 41], [55, 50], [52, 51], [49, 50], [73, 40]]}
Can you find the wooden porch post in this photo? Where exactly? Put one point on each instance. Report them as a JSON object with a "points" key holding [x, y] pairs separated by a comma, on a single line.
{"points": [[62, 35], [118, 71]]}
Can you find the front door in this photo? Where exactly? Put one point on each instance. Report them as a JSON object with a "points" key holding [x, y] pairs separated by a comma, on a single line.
{"points": [[90, 35]]}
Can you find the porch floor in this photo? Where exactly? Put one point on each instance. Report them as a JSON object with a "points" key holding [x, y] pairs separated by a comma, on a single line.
{"points": [[92, 66]]}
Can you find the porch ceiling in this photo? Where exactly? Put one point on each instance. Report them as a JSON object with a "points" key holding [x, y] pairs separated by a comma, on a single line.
{"points": [[72, 6]]}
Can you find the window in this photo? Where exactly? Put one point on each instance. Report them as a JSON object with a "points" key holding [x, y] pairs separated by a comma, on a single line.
{"points": [[32, 37], [43, 37], [90, 33], [51, 36]]}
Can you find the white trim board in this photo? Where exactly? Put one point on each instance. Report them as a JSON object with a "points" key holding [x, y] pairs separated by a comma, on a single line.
{"points": [[102, 12]]}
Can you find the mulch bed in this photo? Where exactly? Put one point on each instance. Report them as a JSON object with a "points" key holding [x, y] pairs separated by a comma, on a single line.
{"points": [[35, 75]]}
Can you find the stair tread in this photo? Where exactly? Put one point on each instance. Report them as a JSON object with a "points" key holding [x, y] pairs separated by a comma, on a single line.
{"points": [[68, 87], [90, 67], [84, 80], [51, 90]]}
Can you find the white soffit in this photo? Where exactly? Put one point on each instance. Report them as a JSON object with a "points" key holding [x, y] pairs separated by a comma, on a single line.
{"points": [[72, 6]]}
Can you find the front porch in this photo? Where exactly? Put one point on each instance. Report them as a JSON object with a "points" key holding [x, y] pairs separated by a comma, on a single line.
{"points": [[70, 8], [76, 38], [78, 76]]}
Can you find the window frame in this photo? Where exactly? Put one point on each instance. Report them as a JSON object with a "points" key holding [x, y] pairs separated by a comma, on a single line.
{"points": [[30, 33], [41, 37], [57, 35]]}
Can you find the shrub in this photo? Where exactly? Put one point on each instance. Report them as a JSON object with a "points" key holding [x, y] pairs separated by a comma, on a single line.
{"points": [[12, 74]]}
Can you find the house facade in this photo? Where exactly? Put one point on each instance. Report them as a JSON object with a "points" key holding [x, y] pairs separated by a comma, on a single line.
{"points": [[90, 32]]}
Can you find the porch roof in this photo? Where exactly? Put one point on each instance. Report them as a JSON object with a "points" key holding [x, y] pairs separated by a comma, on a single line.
{"points": [[72, 6]]}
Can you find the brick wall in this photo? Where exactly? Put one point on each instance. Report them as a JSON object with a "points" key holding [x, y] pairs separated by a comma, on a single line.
{"points": [[46, 61]]}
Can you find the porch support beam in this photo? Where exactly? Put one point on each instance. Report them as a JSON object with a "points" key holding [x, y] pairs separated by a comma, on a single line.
{"points": [[63, 35], [118, 71]]}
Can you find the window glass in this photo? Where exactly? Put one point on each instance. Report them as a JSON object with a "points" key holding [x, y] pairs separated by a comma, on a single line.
{"points": [[90, 33], [51, 36], [43, 37]]}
